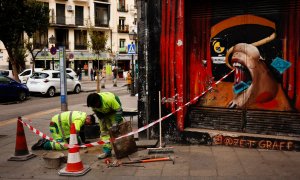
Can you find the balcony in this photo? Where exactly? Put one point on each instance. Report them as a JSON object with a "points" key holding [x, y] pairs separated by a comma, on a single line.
{"points": [[57, 44], [123, 28], [60, 19], [39, 45], [122, 8], [122, 50], [101, 23], [78, 21], [80, 47]]}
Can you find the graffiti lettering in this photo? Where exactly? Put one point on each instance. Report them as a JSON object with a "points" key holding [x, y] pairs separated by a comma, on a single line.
{"points": [[245, 142]]}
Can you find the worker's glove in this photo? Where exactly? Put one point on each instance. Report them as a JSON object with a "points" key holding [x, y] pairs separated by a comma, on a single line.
{"points": [[118, 118]]}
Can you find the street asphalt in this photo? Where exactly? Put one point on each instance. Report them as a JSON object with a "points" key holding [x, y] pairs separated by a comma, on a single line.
{"points": [[190, 161]]}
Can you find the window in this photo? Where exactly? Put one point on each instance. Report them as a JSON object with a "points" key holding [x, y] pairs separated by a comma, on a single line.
{"points": [[25, 73], [40, 40], [122, 43], [79, 15], [60, 14], [4, 80], [122, 47], [56, 75], [62, 38], [122, 28], [122, 6], [102, 15], [80, 39]]}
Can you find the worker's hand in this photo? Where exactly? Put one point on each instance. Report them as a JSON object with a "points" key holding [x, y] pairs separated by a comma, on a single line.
{"points": [[118, 118]]}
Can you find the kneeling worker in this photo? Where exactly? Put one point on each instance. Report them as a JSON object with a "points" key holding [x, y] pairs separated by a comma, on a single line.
{"points": [[108, 108], [60, 129]]}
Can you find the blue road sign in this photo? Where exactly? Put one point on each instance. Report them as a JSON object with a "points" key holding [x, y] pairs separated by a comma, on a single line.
{"points": [[131, 49]]}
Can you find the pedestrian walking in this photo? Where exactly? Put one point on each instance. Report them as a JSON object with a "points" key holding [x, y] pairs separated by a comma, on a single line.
{"points": [[129, 80], [108, 108], [103, 77], [115, 74], [92, 74], [79, 73]]}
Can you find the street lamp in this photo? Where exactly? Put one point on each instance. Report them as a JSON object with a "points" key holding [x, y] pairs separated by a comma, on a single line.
{"points": [[132, 36], [52, 40]]}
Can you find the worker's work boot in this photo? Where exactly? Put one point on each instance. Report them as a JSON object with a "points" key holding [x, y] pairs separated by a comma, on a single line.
{"points": [[104, 155]]}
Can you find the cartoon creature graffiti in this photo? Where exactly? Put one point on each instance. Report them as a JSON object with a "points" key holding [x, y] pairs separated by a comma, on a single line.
{"points": [[254, 86], [257, 86]]}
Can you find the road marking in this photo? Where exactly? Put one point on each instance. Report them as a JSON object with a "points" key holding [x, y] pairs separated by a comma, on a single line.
{"points": [[30, 116]]}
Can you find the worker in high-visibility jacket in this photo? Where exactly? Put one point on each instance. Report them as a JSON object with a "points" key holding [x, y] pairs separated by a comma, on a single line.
{"points": [[108, 108], [60, 129]]}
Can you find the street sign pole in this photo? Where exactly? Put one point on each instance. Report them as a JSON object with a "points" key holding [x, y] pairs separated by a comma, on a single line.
{"points": [[132, 72], [131, 50], [63, 80]]}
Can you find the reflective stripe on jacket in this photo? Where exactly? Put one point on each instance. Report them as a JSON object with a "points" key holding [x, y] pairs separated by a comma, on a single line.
{"points": [[60, 129]]}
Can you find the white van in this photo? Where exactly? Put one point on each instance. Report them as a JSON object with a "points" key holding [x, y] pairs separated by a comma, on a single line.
{"points": [[24, 75]]}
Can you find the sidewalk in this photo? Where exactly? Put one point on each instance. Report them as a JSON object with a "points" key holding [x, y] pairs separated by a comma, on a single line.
{"points": [[191, 161]]}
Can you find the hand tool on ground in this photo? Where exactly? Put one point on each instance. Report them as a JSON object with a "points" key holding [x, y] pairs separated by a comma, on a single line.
{"points": [[150, 160]]}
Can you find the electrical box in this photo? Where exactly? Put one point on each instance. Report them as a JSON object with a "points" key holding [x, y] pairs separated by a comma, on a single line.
{"points": [[70, 8]]}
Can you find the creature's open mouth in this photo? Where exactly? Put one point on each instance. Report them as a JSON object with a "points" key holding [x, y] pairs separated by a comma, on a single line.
{"points": [[242, 79]]}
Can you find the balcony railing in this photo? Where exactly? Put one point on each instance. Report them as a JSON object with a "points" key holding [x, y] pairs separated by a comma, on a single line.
{"points": [[122, 50], [122, 8], [39, 45], [101, 23], [57, 44], [80, 47], [78, 21], [123, 28], [60, 19]]}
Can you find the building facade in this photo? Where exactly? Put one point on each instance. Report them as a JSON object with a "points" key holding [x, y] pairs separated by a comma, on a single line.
{"points": [[228, 70], [70, 21]]}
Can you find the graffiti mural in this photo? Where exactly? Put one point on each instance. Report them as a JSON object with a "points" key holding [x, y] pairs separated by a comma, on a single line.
{"points": [[258, 69]]}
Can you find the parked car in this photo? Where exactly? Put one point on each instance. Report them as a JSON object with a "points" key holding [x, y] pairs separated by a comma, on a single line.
{"points": [[7, 73], [48, 82], [24, 75], [71, 72], [11, 89]]}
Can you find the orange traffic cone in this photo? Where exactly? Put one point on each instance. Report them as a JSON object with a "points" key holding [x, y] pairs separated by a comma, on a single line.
{"points": [[74, 164], [21, 150]]}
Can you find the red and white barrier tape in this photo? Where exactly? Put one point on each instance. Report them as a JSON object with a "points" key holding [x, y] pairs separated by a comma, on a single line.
{"points": [[179, 108], [41, 134], [131, 133]]}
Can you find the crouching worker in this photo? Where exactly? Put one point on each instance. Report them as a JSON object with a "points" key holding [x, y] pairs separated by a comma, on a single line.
{"points": [[60, 129], [108, 108]]}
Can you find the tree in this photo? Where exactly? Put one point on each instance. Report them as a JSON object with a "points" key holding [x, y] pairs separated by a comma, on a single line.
{"points": [[98, 45], [98, 42], [39, 12], [17, 17]]}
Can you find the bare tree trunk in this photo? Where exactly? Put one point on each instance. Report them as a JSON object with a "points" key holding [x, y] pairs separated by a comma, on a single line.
{"points": [[15, 66]]}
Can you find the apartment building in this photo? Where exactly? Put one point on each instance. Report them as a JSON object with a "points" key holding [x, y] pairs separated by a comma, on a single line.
{"points": [[69, 24]]}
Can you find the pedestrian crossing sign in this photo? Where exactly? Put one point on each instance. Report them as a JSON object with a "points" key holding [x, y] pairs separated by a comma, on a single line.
{"points": [[131, 49]]}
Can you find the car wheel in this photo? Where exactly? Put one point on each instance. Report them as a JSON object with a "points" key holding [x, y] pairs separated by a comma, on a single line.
{"points": [[22, 96], [77, 89], [51, 92]]}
